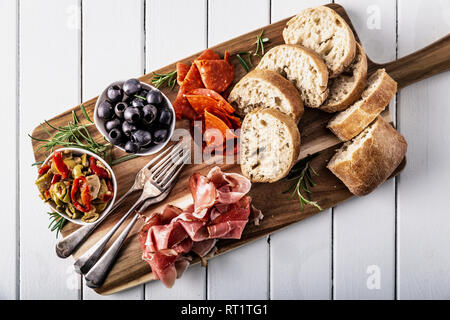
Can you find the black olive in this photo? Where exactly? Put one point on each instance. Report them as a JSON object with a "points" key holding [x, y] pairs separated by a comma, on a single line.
{"points": [[160, 135], [128, 128], [131, 147], [165, 116], [132, 114], [111, 124], [105, 111], [131, 87], [154, 97], [137, 102], [149, 114], [141, 137], [114, 93], [115, 136], [119, 109]]}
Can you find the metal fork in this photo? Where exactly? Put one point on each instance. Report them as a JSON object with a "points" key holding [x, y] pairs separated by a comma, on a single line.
{"points": [[97, 275], [66, 246], [158, 180]]}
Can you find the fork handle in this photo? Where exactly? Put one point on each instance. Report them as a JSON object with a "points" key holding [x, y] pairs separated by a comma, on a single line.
{"points": [[67, 245], [90, 257], [96, 276]]}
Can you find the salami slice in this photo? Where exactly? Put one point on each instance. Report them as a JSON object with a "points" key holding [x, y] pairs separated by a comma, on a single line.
{"points": [[211, 93], [216, 75], [208, 54], [182, 70]]}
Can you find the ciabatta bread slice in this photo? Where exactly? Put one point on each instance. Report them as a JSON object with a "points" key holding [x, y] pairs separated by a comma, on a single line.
{"points": [[380, 89], [268, 89], [303, 67], [346, 88], [367, 161], [326, 32], [269, 145]]}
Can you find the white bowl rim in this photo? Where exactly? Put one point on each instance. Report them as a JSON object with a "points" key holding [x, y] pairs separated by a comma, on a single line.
{"points": [[113, 178], [100, 123]]}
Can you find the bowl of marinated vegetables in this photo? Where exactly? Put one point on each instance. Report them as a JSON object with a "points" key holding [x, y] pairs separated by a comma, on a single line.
{"points": [[135, 117], [77, 184]]}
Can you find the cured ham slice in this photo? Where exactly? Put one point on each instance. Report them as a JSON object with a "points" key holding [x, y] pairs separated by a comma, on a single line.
{"points": [[221, 210]]}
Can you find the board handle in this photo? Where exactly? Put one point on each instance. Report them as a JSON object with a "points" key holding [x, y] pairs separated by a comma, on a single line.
{"points": [[419, 65]]}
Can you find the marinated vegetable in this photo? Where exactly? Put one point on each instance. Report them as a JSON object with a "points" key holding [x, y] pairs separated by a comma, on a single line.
{"points": [[78, 185]]}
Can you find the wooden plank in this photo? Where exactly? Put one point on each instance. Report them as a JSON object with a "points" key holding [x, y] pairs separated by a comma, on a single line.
{"points": [[130, 270], [242, 274], [188, 17], [300, 257], [112, 49], [424, 119], [8, 174], [364, 261], [49, 81]]}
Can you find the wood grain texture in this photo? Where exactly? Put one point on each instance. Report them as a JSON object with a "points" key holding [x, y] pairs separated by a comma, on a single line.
{"points": [[112, 49], [8, 83], [159, 53], [241, 274], [358, 247], [424, 119], [130, 270], [300, 256], [56, 67]]}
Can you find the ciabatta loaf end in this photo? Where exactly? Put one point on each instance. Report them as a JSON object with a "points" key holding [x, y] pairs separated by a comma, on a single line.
{"points": [[303, 67], [368, 160], [347, 87], [326, 32], [269, 145], [268, 89], [380, 89]]}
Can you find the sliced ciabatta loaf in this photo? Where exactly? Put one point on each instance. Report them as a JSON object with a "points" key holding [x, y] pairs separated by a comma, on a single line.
{"points": [[269, 145], [326, 32], [346, 88], [268, 89], [380, 89], [303, 67], [368, 160]]}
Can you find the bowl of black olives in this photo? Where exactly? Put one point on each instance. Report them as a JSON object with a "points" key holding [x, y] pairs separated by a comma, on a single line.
{"points": [[135, 117]]}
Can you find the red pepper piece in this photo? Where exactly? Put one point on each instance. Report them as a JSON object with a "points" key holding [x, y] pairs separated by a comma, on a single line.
{"points": [[106, 197], [56, 178], [61, 167], [43, 169], [99, 171], [85, 194]]}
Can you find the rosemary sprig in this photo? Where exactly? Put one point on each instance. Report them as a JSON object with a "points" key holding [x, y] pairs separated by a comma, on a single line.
{"points": [[169, 79], [140, 97], [259, 51], [302, 173], [76, 134], [57, 222], [260, 44]]}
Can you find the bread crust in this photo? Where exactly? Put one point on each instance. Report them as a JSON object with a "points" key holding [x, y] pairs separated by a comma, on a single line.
{"points": [[274, 79], [319, 65], [293, 132], [360, 77], [351, 42], [368, 110], [373, 162]]}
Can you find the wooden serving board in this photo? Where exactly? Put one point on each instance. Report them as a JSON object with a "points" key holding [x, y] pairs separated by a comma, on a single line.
{"points": [[279, 212]]}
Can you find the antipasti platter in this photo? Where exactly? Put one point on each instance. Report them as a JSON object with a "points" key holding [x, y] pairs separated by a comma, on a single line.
{"points": [[278, 208]]}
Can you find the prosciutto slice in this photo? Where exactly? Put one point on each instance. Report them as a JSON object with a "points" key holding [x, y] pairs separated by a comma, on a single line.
{"points": [[221, 210]]}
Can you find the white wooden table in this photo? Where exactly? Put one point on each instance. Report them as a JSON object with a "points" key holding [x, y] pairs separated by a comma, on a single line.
{"points": [[392, 244]]}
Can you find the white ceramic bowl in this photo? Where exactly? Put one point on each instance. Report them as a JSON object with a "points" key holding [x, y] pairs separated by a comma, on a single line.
{"points": [[78, 151], [101, 123]]}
